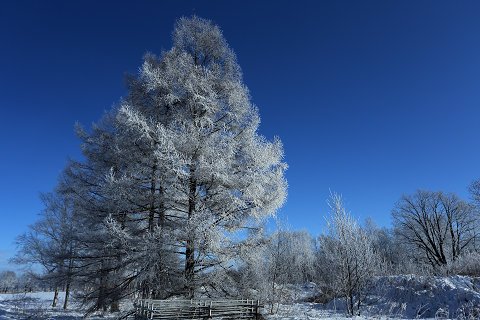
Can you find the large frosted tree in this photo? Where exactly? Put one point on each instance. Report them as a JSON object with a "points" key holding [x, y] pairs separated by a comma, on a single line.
{"points": [[174, 171]]}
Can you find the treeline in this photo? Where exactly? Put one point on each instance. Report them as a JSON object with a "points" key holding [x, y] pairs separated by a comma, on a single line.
{"points": [[11, 282], [433, 233]]}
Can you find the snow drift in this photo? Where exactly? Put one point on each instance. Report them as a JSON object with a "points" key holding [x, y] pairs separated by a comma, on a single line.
{"points": [[411, 296]]}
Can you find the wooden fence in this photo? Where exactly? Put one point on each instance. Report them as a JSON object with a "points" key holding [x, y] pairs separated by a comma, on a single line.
{"points": [[197, 309]]}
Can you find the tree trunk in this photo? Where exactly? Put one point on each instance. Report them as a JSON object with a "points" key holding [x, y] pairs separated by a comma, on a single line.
{"points": [[67, 293], [114, 307], [359, 301], [190, 268], [190, 243], [102, 290], [69, 277], [55, 297], [153, 187], [161, 209]]}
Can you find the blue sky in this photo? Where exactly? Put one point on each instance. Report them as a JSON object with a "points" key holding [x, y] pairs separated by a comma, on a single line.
{"points": [[371, 99]]}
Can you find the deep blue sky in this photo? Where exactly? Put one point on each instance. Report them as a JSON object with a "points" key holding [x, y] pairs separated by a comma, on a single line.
{"points": [[370, 98]]}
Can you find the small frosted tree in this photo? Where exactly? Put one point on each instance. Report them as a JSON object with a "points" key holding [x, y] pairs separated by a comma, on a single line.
{"points": [[349, 254], [269, 263]]}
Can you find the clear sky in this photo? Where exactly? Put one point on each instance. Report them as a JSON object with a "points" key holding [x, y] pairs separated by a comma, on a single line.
{"points": [[371, 99]]}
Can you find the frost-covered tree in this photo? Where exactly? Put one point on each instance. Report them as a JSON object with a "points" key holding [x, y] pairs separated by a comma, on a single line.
{"points": [[193, 107], [270, 263], [293, 253], [223, 173], [8, 281], [51, 242], [172, 173], [349, 253], [467, 264], [393, 255], [474, 189], [438, 227]]}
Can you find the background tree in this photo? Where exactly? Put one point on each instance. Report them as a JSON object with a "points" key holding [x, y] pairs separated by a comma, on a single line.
{"points": [[348, 252], [8, 281], [440, 226], [394, 255], [272, 262], [51, 243], [474, 189]]}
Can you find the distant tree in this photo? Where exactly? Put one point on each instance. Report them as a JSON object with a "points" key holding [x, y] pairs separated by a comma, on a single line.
{"points": [[8, 281], [28, 282], [271, 262], [394, 256], [439, 226], [348, 252], [474, 189], [467, 264], [51, 243], [296, 255]]}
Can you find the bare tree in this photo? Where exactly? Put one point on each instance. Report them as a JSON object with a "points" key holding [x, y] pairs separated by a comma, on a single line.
{"points": [[474, 189], [441, 226], [50, 243]]}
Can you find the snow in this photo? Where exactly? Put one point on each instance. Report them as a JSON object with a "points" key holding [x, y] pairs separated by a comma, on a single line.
{"points": [[393, 297], [410, 296], [37, 305]]}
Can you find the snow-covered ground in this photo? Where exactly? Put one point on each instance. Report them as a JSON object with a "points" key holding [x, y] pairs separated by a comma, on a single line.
{"points": [[399, 297], [306, 311], [425, 297], [37, 305], [396, 297]]}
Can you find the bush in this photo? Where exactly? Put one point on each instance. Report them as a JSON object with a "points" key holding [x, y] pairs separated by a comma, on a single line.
{"points": [[467, 264]]}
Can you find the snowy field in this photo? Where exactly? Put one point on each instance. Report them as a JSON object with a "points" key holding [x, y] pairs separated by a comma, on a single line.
{"points": [[37, 305], [396, 297]]}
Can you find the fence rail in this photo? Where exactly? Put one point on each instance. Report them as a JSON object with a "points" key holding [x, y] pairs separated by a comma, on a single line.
{"points": [[197, 309]]}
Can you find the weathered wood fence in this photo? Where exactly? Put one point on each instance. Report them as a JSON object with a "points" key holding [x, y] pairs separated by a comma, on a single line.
{"points": [[197, 309]]}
